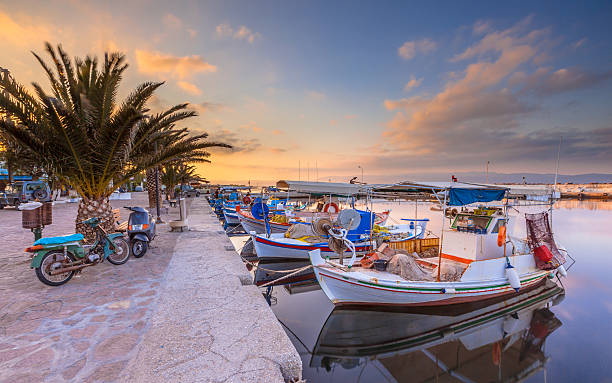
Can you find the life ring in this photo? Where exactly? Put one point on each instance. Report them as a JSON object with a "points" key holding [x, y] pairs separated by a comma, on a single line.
{"points": [[329, 205], [501, 236], [246, 200]]}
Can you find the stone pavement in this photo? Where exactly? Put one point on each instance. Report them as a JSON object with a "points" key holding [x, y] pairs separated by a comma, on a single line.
{"points": [[142, 321], [211, 324], [86, 330]]}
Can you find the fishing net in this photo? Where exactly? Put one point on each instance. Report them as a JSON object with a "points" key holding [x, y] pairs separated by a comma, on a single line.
{"points": [[542, 243], [303, 233], [450, 271], [408, 268]]}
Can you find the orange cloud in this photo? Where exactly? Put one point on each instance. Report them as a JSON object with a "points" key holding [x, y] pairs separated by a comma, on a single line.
{"points": [[277, 132], [242, 33], [181, 67], [410, 48], [413, 83], [23, 32], [189, 87], [482, 106], [252, 126], [172, 22], [314, 95]]}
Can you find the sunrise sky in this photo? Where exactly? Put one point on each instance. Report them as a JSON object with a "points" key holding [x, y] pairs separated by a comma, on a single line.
{"points": [[394, 87]]}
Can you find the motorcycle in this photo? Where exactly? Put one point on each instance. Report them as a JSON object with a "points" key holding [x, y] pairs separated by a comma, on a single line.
{"points": [[140, 230], [57, 259]]}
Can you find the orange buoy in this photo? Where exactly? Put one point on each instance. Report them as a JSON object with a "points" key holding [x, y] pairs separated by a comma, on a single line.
{"points": [[501, 236], [330, 205]]}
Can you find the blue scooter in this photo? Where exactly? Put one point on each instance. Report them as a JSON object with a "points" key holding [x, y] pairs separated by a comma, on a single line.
{"points": [[140, 230]]}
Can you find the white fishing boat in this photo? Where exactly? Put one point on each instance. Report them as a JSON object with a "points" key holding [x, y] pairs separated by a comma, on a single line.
{"points": [[475, 247]]}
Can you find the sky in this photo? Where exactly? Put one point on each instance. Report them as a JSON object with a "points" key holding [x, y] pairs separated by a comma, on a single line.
{"points": [[323, 90]]}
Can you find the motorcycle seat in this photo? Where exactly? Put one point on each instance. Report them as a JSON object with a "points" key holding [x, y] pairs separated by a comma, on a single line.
{"points": [[59, 240]]}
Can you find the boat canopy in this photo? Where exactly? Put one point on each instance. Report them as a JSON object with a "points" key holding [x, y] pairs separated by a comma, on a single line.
{"points": [[459, 193], [324, 188]]}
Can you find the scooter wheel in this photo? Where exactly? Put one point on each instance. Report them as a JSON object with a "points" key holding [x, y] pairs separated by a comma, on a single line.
{"points": [[121, 253], [50, 260], [139, 248]]}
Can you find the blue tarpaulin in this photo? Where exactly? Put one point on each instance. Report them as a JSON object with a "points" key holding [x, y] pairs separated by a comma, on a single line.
{"points": [[460, 196]]}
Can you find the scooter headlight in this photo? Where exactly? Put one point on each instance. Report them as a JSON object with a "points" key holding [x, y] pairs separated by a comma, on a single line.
{"points": [[138, 227]]}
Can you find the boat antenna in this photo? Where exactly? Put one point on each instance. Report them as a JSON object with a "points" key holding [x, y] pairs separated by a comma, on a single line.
{"points": [[554, 193], [557, 169]]}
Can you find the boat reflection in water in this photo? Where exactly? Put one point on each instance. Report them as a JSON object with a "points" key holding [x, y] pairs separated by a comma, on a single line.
{"points": [[497, 340]]}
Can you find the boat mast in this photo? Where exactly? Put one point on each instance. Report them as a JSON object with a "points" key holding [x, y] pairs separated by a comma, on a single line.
{"points": [[447, 190], [554, 193]]}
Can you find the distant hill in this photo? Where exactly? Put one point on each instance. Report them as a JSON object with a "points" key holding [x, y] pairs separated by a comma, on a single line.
{"points": [[532, 178]]}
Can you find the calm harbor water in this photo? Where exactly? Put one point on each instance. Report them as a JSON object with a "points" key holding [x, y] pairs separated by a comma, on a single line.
{"points": [[542, 335]]}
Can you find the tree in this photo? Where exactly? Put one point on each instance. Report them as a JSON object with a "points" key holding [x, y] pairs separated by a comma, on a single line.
{"points": [[150, 174], [85, 137], [178, 173]]}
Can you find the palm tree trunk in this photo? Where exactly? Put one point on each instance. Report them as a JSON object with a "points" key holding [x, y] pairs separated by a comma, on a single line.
{"points": [[151, 187], [89, 208]]}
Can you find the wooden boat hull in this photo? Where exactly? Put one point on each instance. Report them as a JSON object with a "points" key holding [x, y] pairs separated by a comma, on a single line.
{"points": [[348, 288]]}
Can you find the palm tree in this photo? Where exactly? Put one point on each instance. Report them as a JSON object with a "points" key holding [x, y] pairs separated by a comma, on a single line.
{"points": [[178, 173], [86, 138], [150, 173]]}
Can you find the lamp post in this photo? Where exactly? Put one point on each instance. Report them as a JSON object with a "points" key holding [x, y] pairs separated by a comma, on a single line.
{"points": [[360, 167], [488, 171]]}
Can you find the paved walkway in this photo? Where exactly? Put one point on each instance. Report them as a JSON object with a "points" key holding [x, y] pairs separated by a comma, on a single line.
{"points": [[141, 321], [86, 330], [211, 323]]}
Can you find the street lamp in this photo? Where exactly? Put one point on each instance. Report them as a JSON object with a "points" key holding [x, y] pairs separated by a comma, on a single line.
{"points": [[360, 167], [488, 171]]}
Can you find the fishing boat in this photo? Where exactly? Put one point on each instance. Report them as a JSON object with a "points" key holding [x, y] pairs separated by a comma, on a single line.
{"points": [[281, 222], [279, 246], [486, 261], [466, 343], [252, 224]]}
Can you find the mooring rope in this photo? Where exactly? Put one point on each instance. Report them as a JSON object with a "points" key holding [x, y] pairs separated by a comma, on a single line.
{"points": [[272, 271], [287, 276]]}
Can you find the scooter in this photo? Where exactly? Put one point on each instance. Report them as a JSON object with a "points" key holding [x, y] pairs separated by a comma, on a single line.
{"points": [[57, 259], [140, 230]]}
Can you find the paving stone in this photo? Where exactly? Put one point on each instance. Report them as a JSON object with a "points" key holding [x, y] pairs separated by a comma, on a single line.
{"points": [[71, 371], [115, 347], [86, 332], [106, 373], [40, 359]]}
